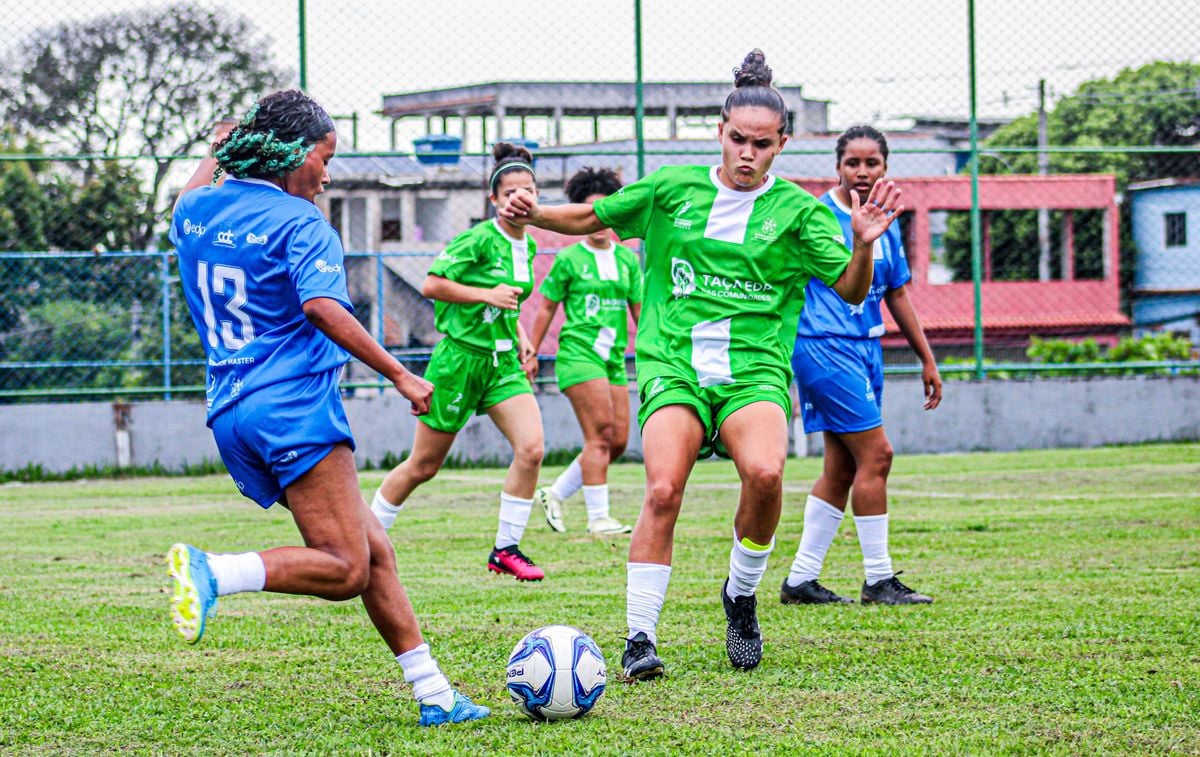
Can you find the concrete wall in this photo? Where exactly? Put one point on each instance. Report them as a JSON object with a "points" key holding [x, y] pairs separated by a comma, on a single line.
{"points": [[991, 415]]}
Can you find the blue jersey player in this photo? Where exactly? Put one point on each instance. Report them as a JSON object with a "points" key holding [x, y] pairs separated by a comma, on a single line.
{"points": [[838, 362], [265, 281]]}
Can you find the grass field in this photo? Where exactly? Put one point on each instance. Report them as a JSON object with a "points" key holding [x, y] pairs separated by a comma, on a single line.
{"points": [[1066, 621]]}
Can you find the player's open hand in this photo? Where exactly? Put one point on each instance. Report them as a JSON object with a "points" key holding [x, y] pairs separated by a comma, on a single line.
{"points": [[504, 296], [933, 386], [870, 219], [416, 390], [522, 207]]}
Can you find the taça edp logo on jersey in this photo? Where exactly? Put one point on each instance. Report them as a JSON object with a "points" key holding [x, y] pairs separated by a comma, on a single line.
{"points": [[325, 267], [253, 238], [192, 228]]}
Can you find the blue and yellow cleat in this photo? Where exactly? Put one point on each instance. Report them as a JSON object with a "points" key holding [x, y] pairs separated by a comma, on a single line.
{"points": [[195, 597], [462, 711]]}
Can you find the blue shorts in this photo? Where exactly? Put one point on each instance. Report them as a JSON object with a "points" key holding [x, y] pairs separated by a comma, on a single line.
{"points": [[272, 437], [840, 383]]}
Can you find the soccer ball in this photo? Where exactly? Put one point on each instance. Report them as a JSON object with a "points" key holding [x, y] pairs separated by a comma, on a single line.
{"points": [[556, 672]]}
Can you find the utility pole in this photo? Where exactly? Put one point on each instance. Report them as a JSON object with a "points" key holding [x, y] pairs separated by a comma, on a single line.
{"points": [[1043, 160]]}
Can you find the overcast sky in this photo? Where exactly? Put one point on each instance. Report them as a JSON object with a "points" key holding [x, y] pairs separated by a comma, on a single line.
{"points": [[876, 61]]}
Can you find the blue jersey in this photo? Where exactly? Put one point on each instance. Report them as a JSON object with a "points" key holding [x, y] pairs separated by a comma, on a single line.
{"points": [[249, 256], [827, 314]]}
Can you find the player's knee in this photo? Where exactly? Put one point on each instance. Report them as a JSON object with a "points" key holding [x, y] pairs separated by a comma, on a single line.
{"points": [[663, 498], [423, 470], [352, 580], [529, 453], [881, 459], [383, 554], [616, 449], [762, 475]]}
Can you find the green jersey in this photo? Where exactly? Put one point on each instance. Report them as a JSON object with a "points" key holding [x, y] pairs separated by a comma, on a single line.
{"points": [[595, 287], [725, 271], [484, 256]]}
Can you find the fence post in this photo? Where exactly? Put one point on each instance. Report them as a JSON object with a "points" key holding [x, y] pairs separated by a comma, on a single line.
{"points": [[640, 108], [379, 325], [976, 225], [303, 52], [165, 262]]}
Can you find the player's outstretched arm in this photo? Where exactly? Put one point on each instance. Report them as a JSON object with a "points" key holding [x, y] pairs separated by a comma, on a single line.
{"points": [[335, 322], [576, 218]]}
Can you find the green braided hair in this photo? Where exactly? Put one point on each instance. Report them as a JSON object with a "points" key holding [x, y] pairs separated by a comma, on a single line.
{"points": [[274, 137]]}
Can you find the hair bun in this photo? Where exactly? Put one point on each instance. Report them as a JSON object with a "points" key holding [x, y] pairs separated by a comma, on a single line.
{"points": [[754, 71], [507, 151]]}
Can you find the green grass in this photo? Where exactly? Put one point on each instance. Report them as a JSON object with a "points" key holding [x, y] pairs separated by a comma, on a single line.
{"points": [[1067, 585]]}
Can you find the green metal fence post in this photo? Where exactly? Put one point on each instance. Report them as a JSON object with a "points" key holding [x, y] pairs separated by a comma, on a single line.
{"points": [[166, 323], [302, 22], [976, 225], [640, 110]]}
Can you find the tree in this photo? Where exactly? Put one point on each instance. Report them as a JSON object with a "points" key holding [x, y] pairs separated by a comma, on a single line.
{"points": [[149, 83], [1157, 105]]}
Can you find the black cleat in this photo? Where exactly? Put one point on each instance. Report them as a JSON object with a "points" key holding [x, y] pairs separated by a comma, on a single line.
{"points": [[891, 592], [809, 593], [641, 661], [743, 640]]}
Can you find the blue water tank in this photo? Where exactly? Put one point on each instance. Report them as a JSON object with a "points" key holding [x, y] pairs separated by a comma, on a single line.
{"points": [[438, 149]]}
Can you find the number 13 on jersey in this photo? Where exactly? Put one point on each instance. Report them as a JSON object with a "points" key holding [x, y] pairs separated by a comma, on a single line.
{"points": [[235, 278]]}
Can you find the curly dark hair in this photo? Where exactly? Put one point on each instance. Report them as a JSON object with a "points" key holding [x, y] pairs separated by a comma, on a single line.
{"points": [[861, 131], [752, 89], [274, 137], [507, 154], [589, 181]]}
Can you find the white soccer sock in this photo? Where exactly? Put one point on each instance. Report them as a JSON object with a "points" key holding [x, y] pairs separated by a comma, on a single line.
{"points": [[237, 573], [384, 510], [747, 563], [821, 522], [873, 538], [428, 684], [568, 482], [645, 590], [595, 498], [514, 515]]}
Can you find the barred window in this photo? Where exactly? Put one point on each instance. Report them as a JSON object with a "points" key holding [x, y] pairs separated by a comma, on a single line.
{"points": [[1176, 229]]}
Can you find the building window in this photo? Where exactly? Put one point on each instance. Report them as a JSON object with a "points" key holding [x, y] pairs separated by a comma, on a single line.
{"points": [[389, 228], [1176, 229]]}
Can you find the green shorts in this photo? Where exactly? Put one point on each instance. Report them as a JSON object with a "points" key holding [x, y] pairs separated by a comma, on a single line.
{"points": [[573, 367], [713, 404], [467, 382]]}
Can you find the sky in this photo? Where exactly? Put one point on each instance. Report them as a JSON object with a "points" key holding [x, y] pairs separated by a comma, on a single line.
{"points": [[877, 62]]}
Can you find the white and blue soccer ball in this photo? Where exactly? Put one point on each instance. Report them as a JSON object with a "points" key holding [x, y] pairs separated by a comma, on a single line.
{"points": [[556, 672]]}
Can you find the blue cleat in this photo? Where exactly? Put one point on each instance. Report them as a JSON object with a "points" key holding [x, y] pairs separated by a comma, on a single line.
{"points": [[195, 597], [463, 710]]}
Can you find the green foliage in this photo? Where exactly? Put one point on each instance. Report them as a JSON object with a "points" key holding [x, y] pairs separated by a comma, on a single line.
{"points": [[68, 330], [1149, 348], [963, 369], [149, 82], [1154, 105], [1064, 623]]}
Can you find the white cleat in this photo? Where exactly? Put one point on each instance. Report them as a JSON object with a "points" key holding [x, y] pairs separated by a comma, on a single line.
{"points": [[551, 508], [607, 526]]}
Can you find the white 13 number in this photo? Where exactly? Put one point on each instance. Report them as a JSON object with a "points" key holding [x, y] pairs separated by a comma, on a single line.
{"points": [[222, 274]]}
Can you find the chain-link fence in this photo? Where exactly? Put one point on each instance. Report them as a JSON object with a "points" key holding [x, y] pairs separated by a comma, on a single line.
{"points": [[1048, 155]]}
